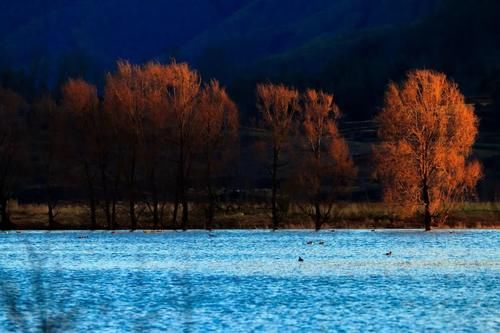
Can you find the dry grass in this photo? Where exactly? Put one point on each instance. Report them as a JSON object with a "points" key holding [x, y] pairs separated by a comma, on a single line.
{"points": [[257, 216]]}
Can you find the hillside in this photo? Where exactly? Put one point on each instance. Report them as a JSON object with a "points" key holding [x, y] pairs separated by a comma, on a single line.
{"points": [[350, 47], [265, 28], [53, 34], [61, 38], [459, 38]]}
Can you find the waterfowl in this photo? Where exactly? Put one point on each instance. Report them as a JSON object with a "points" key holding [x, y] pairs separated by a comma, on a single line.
{"points": [[321, 243], [310, 243], [300, 259], [389, 253]]}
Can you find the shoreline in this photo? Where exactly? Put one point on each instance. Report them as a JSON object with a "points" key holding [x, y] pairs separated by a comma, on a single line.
{"points": [[249, 216], [285, 228]]}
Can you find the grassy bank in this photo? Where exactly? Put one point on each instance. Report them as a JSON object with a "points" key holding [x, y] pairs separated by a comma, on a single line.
{"points": [[257, 216]]}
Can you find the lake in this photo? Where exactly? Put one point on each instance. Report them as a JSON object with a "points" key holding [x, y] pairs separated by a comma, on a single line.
{"points": [[250, 281]]}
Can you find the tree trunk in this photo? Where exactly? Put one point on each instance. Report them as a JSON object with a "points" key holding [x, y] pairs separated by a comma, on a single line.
{"points": [[178, 186], [211, 198], [156, 215], [182, 188], [114, 225], [93, 217], [51, 214], [185, 212], [211, 211], [105, 194], [274, 210], [155, 201], [427, 218], [114, 200], [317, 195], [427, 211], [317, 215], [92, 198], [132, 213], [210, 215], [176, 208], [131, 210]]}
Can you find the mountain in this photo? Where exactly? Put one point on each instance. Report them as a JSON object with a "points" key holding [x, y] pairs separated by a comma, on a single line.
{"points": [[60, 36], [266, 28], [457, 37], [55, 33], [352, 48]]}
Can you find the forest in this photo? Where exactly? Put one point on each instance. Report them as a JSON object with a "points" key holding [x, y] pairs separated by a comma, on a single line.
{"points": [[163, 148]]}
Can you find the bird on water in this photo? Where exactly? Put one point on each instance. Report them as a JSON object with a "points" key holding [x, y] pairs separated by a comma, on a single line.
{"points": [[300, 259]]}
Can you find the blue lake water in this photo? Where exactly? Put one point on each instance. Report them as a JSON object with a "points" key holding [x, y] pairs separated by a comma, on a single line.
{"points": [[250, 281]]}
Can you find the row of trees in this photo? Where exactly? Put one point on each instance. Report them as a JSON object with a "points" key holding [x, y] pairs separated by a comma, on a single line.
{"points": [[324, 168], [158, 130], [140, 142]]}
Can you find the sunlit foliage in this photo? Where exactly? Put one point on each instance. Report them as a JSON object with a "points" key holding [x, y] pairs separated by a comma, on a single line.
{"points": [[326, 169], [218, 119], [427, 132], [278, 105]]}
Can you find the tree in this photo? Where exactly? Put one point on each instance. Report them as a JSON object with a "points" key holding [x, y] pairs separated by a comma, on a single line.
{"points": [[156, 77], [277, 105], [125, 100], [182, 100], [218, 118], [11, 148], [50, 151], [326, 169], [80, 100], [427, 132]]}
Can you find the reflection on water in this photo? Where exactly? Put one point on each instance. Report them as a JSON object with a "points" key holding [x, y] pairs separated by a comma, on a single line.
{"points": [[250, 281]]}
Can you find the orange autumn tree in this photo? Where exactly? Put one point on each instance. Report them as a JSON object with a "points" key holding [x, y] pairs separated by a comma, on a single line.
{"points": [[218, 119], [137, 98], [182, 95], [277, 105], [427, 132], [80, 100], [326, 169], [156, 77], [125, 100]]}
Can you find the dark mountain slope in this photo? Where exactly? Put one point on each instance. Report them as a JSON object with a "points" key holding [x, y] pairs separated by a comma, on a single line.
{"points": [[350, 47], [46, 32], [46, 35], [460, 38], [266, 28]]}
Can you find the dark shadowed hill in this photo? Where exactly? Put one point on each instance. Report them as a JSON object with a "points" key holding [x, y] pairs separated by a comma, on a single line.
{"points": [[458, 37], [59, 38], [55, 34], [265, 28], [350, 47]]}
